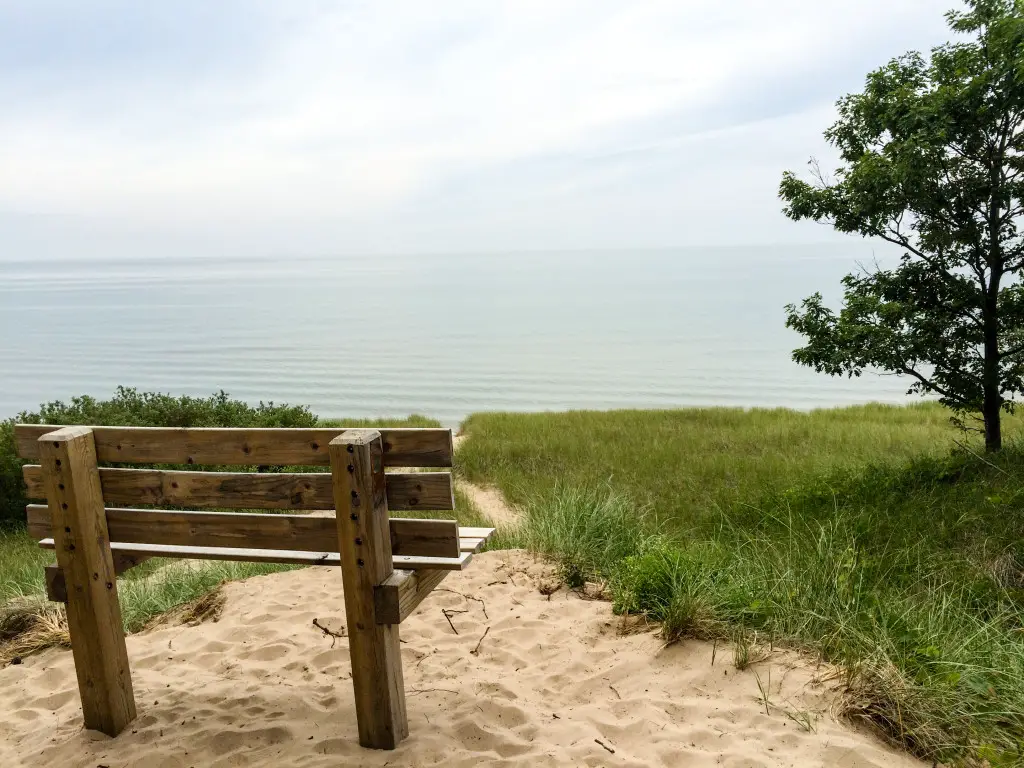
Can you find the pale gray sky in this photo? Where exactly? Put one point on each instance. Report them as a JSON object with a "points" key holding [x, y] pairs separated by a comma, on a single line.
{"points": [[234, 128]]}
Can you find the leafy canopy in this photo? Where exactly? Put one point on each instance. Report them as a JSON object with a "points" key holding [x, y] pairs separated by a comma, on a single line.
{"points": [[931, 161]]}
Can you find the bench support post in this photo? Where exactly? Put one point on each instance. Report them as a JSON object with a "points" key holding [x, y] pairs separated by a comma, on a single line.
{"points": [[75, 498], [364, 542]]}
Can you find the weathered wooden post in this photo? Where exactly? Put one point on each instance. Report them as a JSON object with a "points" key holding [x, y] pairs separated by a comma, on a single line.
{"points": [[364, 541], [75, 497]]}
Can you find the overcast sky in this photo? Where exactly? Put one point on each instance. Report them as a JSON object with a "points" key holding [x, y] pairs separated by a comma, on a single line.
{"points": [[234, 128]]}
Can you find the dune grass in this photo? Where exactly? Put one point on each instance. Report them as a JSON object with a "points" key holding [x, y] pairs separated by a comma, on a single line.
{"points": [[865, 535], [690, 462]]}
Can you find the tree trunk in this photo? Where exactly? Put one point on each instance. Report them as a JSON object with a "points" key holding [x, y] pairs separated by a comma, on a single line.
{"points": [[992, 411], [993, 399], [991, 408]]}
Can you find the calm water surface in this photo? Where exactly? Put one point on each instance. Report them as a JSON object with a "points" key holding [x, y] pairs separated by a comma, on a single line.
{"points": [[443, 335]]}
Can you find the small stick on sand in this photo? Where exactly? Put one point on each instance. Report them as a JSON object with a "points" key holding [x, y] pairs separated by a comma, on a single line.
{"points": [[476, 651], [605, 746], [326, 631], [448, 613], [483, 605]]}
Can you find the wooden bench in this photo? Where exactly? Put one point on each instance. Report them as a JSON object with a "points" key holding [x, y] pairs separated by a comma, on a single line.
{"points": [[388, 565]]}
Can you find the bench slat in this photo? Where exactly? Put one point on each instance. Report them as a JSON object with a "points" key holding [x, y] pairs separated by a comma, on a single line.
{"points": [[273, 446], [471, 545], [248, 490], [286, 556], [429, 538]]}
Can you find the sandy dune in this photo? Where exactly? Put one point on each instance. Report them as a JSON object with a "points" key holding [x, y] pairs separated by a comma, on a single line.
{"points": [[554, 682]]}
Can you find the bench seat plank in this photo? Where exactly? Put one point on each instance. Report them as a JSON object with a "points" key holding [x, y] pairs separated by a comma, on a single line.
{"points": [[430, 538], [286, 556], [474, 539]]}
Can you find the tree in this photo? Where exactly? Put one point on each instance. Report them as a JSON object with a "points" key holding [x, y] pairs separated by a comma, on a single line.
{"points": [[932, 162]]}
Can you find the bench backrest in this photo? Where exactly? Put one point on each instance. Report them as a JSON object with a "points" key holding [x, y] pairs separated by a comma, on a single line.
{"points": [[125, 488]]}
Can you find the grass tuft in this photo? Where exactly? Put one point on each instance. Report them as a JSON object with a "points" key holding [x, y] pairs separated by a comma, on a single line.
{"points": [[587, 531], [29, 625], [180, 583]]}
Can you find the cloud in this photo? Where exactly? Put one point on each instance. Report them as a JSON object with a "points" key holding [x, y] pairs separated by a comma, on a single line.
{"points": [[422, 126]]}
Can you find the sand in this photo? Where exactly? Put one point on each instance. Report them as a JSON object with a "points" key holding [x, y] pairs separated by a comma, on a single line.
{"points": [[490, 503], [555, 681]]}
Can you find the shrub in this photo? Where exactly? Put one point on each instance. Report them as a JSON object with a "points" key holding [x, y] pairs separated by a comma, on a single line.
{"points": [[130, 407], [672, 585]]}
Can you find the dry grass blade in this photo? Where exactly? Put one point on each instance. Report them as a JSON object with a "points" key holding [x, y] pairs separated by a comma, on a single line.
{"points": [[205, 608], [31, 625]]}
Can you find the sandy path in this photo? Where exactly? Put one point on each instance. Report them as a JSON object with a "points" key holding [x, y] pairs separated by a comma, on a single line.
{"points": [[553, 683], [488, 500]]}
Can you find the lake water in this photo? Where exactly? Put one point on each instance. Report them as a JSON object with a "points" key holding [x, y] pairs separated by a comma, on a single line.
{"points": [[443, 335]]}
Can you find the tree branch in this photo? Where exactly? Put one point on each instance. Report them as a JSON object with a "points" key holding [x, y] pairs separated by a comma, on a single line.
{"points": [[933, 387], [1012, 351], [898, 238]]}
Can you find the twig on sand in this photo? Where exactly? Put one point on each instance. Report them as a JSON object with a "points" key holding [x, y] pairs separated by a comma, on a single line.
{"points": [[617, 696], [605, 746], [448, 613], [483, 605], [326, 631], [476, 651], [431, 690]]}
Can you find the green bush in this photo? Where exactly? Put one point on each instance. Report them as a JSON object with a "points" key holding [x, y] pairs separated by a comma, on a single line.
{"points": [[130, 407], [12, 488], [673, 585]]}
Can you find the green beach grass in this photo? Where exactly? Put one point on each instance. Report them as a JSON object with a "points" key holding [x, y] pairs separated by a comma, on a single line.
{"points": [[866, 535], [688, 462]]}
